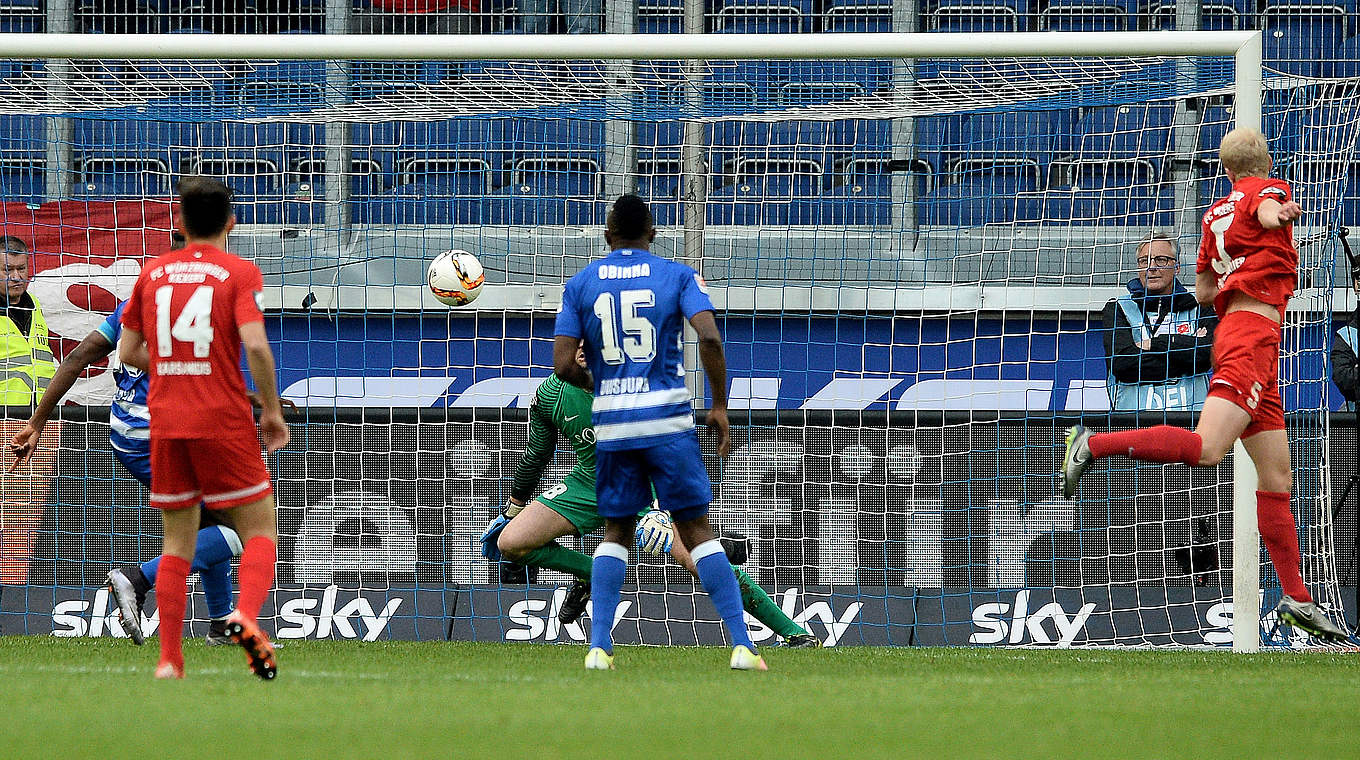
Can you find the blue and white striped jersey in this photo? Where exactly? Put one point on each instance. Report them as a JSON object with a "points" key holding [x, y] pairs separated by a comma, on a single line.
{"points": [[129, 420], [630, 307]]}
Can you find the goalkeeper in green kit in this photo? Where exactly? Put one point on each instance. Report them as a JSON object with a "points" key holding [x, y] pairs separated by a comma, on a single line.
{"points": [[526, 533]]}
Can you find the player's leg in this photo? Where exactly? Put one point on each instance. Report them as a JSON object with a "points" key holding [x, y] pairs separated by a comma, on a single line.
{"points": [[175, 491], [234, 479], [180, 527], [754, 600], [217, 544], [623, 491], [1220, 423], [531, 537], [677, 472]]}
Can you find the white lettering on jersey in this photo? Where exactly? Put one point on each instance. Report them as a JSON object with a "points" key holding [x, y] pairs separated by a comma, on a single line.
{"points": [[615, 385], [184, 368], [190, 271], [616, 272]]}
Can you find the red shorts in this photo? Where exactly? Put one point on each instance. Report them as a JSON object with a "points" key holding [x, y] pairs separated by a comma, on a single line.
{"points": [[220, 472], [1247, 368]]}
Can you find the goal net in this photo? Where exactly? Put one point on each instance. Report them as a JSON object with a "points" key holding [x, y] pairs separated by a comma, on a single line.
{"points": [[910, 261]]}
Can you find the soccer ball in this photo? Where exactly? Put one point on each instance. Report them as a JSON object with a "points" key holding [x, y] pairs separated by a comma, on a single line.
{"points": [[455, 278]]}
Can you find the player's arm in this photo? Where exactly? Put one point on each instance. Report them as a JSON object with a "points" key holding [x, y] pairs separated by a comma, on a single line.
{"points": [[1129, 362], [715, 366], [1273, 215], [537, 455], [260, 359], [132, 349], [92, 349], [1206, 287], [565, 365]]}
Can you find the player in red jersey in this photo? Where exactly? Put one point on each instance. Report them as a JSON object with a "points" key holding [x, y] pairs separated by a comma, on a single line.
{"points": [[189, 315], [1248, 269]]}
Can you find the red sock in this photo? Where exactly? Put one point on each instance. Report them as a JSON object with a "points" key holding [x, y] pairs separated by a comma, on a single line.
{"points": [[1281, 535], [257, 574], [170, 602], [1162, 443]]}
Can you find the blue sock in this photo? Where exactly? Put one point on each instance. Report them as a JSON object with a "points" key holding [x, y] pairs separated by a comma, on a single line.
{"points": [[217, 588], [717, 578], [606, 584]]}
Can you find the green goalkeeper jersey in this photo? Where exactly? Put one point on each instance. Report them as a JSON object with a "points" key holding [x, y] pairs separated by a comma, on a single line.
{"points": [[557, 407]]}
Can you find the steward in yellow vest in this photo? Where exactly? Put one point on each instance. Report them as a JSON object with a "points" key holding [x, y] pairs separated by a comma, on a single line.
{"points": [[26, 365]]}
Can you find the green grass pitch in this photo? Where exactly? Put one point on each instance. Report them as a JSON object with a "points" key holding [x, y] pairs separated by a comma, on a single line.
{"points": [[81, 698]]}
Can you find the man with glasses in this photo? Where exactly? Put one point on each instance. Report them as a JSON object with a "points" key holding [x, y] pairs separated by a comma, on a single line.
{"points": [[1158, 339]]}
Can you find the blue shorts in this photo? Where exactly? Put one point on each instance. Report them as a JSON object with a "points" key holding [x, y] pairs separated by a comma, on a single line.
{"points": [[624, 479], [137, 463]]}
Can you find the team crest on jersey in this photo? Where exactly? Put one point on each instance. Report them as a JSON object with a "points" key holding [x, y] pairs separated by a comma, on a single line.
{"points": [[1183, 329]]}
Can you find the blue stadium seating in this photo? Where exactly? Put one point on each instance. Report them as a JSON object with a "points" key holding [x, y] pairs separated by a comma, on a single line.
{"points": [[985, 191], [1005, 134], [122, 177], [1119, 133], [979, 16], [1346, 62], [865, 199], [762, 16], [1107, 192], [257, 183], [288, 84], [1215, 15], [417, 204], [802, 83], [1088, 16], [660, 16], [1300, 35], [1350, 203], [659, 183], [768, 191], [22, 178], [451, 176], [22, 136], [21, 16], [857, 16]]}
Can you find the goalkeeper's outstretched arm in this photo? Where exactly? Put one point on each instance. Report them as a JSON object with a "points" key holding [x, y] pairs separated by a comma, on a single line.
{"points": [[538, 454], [92, 349]]}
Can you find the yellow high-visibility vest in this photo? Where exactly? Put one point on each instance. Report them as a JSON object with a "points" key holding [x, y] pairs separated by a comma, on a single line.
{"points": [[26, 365]]}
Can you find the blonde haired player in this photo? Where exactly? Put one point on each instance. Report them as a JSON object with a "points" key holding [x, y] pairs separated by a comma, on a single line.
{"points": [[1247, 268]]}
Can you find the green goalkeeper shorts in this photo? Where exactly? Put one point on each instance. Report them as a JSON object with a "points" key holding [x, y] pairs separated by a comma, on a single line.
{"points": [[574, 499]]}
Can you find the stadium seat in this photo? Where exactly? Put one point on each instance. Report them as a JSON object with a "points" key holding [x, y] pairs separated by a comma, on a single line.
{"points": [[963, 16], [857, 16], [256, 182], [1129, 132], [548, 190], [1350, 201], [659, 182], [762, 16], [287, 85], [768, 191], [1025, 135], [290, 17], [121, 177], [660, 16], [418, 204], [1087, 16], [1215, 16], [22, 179], [455, 176], [985, 191], [1300, 35], [1346, 62], [22, 136], [801, 83], [21, 16], [1107, 192], [305, 194]]}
